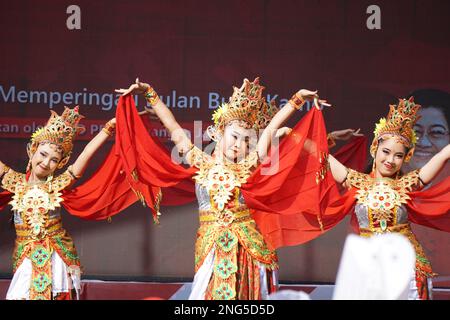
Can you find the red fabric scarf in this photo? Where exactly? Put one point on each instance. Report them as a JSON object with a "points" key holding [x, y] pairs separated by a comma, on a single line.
{"points": [[290, 207], [285, 204], [295, 204]]}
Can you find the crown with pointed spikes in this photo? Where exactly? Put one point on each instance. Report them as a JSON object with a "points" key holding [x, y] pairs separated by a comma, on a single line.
{"points": [[59, 130], [400, 123], [246, 104]]}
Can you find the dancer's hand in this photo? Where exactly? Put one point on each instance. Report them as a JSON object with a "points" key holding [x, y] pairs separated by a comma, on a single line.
{"points": [[345, 134], [2, 169], [311, 95], [136, 88], [151, 113], [283, 132]]}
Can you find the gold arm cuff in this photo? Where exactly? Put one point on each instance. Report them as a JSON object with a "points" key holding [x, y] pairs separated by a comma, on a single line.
{"points": [[69, 169], [151, 96], [297, 101], [109, 128]]}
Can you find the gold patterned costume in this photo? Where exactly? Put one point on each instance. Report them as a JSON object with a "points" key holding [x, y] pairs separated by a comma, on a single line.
{"points": [[242, 265], [381, 202], [381, 209], [39, 229], [227, 227], [41, 242]]}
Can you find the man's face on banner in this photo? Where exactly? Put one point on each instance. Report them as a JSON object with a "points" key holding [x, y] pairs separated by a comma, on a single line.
{"points": [[432, 131]]}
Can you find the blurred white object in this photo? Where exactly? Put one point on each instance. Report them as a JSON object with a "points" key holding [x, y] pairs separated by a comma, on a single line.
{"points": [[288, 295], [376, 268]]}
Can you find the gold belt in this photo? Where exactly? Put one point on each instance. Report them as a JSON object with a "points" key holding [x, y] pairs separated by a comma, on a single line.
{"points": [[224, 217], [25, 233], [403, 228]]}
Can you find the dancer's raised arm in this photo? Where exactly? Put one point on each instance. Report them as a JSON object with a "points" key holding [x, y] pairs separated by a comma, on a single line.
{"points": [[178, 135], [294, 104]]}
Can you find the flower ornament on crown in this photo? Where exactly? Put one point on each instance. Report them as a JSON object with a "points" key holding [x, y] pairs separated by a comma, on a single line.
{"points": [[399, 124], [246, 104], [59, 130]]}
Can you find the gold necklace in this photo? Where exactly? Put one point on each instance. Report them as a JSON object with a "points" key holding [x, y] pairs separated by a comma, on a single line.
{"points": [[382, 196], [33, 200], [221, 177]]}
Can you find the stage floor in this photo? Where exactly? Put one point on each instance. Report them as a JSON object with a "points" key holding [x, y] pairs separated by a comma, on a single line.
{"points": [[119, 290]]}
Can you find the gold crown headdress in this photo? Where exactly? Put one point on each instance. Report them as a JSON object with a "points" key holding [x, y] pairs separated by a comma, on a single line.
{"points": [[246, 104], [400, 123], [59, 130]]}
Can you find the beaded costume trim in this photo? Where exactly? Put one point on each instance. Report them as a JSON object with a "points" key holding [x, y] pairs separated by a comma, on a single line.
{"points": [[227, 225], [34, 201], [382, 196], [221, 178]]}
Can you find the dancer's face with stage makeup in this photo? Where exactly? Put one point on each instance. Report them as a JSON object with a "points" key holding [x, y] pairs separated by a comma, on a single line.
{"points": [[237, 140], [45, 160], [390, 156]]}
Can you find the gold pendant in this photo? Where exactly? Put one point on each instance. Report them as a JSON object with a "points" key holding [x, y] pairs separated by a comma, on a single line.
{"points": [[221, 182], [35, 202], [34, 205], [221, 178], [382, 197]]}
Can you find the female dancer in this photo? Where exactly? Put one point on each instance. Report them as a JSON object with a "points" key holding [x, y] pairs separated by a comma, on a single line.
{"points": [[385, 198], [45, 262], [232, 259], [300, 199]]}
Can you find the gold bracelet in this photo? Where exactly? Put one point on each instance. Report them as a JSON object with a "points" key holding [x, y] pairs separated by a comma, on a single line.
{"points": [[151, 96], [330, 140], [69, 169], [297, 101], [109, 128]]}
